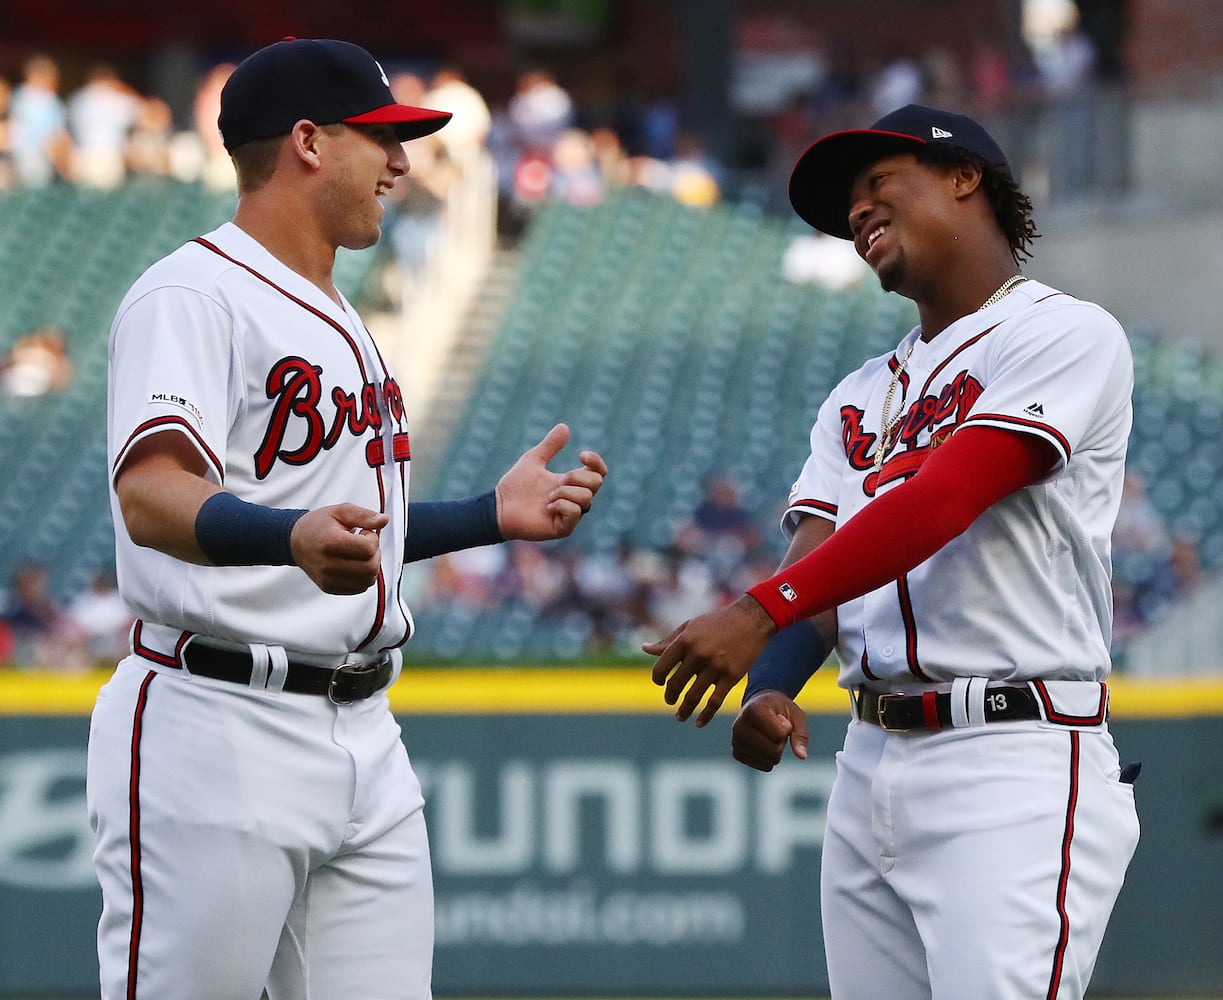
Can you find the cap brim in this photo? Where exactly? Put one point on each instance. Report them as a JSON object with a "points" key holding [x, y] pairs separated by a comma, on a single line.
{"points": [[409, 122], [823, 175]]}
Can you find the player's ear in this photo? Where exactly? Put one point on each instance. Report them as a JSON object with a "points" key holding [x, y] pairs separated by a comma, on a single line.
{"points": [[965, 179], [304, 139]]}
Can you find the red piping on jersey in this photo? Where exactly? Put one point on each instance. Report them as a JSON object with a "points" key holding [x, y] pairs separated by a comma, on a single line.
{"points": [[951, 357], [407, 617], [820, 506], [910, 623], [133, 799], [165, 659], [158, 423], [1053, 715], [903, 378], [293, 298], [1059, 952], [864, 662], [1005, 418]]}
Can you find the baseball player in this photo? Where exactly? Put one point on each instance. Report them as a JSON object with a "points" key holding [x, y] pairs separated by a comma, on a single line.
{"points": [[950, 538], [258, 822]]}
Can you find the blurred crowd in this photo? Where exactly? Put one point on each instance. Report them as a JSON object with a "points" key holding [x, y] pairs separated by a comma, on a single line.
{"points": [[548, 143], [37, 629], [104, 131], [1153, 567], [616, 599], [619, 598]]}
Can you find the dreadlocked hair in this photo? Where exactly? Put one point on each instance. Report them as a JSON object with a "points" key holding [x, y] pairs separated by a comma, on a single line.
{"points": [[1012, 208]]}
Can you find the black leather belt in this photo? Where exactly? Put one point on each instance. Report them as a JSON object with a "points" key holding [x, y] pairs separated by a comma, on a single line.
{"points": [[346, 683], [931, 710]]}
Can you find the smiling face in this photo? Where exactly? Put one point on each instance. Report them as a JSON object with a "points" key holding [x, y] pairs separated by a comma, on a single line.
{"points": [[363, 164], [902, 215]]}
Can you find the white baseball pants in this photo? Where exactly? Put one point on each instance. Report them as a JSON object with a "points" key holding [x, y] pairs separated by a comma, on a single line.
{"points": [[976, 863], [250, 839]]}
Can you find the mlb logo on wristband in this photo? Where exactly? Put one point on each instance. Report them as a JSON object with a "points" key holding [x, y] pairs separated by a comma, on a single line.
{"points": [[788, 592]]}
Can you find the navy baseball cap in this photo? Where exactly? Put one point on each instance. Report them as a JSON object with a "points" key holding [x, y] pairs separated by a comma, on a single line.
{"points": [[824, 174], [318, 79]]}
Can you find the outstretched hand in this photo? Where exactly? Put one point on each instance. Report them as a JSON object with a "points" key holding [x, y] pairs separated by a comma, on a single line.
{"points": [[535, 504], [710, 653]]}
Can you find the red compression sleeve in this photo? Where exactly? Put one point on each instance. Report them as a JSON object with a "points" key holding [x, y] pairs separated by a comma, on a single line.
{"points": [[972, 471]]}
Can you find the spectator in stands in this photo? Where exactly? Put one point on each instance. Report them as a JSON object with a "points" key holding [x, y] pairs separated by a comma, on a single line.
{"points": [[466, 136], [1141, 541], [722, 533], [470, 578], [43, 633], [686, 588], [149, 143], [695, 174], [417, 205], [1173, 579], [216, 168], [534, 577], [611, 157], [610, 593], [100, 118], [1067, 63], [103, 619], [898, 82], [40, 140], [720, 518], [540, 110], [37, 364], [659, 127], [575, 177]]}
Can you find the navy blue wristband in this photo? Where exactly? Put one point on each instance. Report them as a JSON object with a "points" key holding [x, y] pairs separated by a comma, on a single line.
{"points": [[232, 532], [439, 526], [788, 660]]}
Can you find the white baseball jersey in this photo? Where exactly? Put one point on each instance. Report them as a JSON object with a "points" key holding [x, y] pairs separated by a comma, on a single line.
{"points": [[288, 400], [249, 838], [1038, 362]]}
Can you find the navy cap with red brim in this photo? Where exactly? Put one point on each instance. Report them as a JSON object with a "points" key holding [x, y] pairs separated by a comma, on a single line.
{"points": [[318, 79], [822, 177]]}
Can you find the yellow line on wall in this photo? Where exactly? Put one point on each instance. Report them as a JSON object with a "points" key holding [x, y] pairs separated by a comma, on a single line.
{"points": [[581, 691]]}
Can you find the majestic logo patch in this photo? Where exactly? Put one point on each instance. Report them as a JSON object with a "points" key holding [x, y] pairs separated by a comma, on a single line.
{"points": [[939, 133], [1034, 410]]}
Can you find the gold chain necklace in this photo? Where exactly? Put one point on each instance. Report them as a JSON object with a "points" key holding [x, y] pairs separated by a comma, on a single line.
{"points": [[1003, 291], [889, 425]]}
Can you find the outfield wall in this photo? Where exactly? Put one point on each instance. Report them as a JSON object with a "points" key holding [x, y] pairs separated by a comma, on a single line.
{"points": [[586, 844]]}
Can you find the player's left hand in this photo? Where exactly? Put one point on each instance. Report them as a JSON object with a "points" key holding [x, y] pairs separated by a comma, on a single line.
{"points": [[535, 504], [711, 652]]}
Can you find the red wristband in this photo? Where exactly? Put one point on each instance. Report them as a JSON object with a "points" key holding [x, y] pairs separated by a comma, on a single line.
{"points": [[778, 598]]}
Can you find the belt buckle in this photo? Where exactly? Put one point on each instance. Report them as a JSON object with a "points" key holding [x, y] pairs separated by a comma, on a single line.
{"points": [[882, 704], [346, 670]]}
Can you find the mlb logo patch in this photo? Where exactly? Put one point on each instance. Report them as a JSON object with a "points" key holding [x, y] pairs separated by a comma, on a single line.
{"points": [[788, 592]]}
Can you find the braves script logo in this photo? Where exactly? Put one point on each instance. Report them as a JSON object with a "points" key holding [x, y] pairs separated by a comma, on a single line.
{"points": [[295, 387], [938, 414]]}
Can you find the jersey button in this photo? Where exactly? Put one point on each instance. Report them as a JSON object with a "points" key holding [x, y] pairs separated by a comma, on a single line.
{"points": [[888, 650]]}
